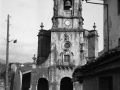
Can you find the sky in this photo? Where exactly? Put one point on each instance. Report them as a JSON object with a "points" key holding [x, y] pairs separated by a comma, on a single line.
{"points": [[25, 19]]}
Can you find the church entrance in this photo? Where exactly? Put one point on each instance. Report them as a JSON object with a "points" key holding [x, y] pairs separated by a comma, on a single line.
{"points": [[26, 78], [66, 84], [42, 84]]}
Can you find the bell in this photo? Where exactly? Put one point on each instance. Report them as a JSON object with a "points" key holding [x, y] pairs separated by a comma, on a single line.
{"points": [[68, 3]]}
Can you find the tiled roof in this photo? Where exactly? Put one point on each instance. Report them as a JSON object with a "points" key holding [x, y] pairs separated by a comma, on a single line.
{"points": [[103, 58]]}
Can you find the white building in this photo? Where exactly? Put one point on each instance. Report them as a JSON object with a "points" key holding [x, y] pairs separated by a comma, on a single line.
{"points": [[111, 24]]}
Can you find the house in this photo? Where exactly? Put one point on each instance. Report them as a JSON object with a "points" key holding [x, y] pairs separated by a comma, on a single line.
{"points": [[2, 85], [22, 76], [2, 76], [111, 24], [103, 73], [100, 74]]}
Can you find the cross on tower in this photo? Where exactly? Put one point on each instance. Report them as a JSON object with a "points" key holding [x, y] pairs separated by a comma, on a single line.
{"points": [[94, 26], [41, 25]]}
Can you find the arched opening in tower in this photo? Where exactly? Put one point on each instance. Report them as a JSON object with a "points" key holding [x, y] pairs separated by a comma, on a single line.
{"points": [[42, 84], [67, 4], [66, 84]]}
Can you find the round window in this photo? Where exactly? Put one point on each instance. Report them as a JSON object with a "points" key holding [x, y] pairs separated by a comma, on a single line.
{"points": [[67, 45]]}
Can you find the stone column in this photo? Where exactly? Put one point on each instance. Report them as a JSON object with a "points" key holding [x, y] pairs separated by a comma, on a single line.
{"points": [[57, 86], [34, 86], [54, 86], [50, 86], [77, 86], [34, 78]]}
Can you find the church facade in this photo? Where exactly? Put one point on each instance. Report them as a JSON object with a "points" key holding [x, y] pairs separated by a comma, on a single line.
{"points": [[63, 48]]}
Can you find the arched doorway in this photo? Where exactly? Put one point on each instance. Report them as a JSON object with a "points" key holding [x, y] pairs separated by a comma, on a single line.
{"points": [[42, 84], [66, 84]]}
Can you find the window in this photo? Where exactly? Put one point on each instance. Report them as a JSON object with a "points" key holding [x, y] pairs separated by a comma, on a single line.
{"points": [[66, 58], [118, 7], [67, 4], [67, 45], [106, 83]]}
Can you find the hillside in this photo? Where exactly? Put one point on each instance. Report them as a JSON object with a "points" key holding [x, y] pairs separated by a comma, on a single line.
{"points": [[2, 61]]}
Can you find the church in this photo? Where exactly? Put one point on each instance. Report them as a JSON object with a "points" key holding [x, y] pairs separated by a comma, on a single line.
{"points": [[63, 48]]}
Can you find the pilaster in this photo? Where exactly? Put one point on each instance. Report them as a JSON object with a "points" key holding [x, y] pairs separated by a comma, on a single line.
{"points": [[77, 86]]}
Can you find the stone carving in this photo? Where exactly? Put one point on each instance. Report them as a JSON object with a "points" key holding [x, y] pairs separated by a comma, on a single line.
{"points": [[66, 38]]}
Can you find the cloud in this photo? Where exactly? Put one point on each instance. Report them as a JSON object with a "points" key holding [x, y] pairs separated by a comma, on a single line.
{"points": [[22, 52], [25, 21]]}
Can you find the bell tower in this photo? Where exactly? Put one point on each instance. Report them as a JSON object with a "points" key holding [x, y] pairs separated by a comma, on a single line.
{"points": [[67, 32], [67, 14], [66, 40]]}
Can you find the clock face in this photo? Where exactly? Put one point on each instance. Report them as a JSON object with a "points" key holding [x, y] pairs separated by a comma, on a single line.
{"points": [[67, 22]]}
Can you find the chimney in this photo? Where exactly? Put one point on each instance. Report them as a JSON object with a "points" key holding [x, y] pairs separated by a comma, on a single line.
{"points": [[92, 45]]}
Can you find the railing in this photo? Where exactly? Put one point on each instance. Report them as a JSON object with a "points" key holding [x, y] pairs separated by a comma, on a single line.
{"points": [[61, 64]]}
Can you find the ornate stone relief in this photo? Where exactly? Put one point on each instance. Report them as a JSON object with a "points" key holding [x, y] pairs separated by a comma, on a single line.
{"points": [[66, 38]]}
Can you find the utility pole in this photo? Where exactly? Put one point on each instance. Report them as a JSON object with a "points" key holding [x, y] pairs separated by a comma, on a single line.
{"points": [[7, 55]]}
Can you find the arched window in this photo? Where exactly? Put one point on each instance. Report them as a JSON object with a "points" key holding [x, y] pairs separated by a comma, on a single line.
{"points": [[67, 4], [66, 58]]}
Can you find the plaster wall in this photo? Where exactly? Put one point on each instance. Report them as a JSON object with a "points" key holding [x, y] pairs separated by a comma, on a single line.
{"points": [[57, 47], [116, 81], [92, 82], [63, 73], [113, 29]]}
